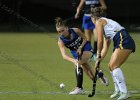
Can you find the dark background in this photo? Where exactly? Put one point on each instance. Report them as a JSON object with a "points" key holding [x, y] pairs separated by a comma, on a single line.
{"points": [[39, 15]]}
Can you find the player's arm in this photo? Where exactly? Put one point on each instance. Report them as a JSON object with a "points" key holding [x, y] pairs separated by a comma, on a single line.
{"points": [[79, 32], [79, 8], [99, 28], [103, 4], [63, 52], [79, 50], [105, 49]]}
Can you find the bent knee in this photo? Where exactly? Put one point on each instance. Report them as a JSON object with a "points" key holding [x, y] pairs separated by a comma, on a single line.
{"points": [[112, 66]]}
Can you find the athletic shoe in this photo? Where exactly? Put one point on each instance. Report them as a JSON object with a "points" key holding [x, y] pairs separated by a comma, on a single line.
{"points": [[103, 79], [115, 94], [123, 96], [77, 91]]}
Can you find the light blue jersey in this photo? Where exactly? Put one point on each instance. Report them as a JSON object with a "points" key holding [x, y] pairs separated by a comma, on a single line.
{"points": [[87, 22], [74, 43]]}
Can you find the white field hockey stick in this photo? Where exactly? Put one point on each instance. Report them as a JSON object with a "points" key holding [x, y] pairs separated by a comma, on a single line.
{"points": [[77, 65], [77, 68]]}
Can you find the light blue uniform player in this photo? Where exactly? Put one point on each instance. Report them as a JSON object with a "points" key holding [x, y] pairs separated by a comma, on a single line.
{"points": [[87, 24], [74, 43]]}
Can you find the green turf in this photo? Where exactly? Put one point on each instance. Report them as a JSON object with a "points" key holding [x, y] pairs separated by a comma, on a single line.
{"points": [[31, 68]]}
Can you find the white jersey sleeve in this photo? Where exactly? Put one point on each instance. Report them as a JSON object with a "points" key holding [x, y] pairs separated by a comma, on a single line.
{"points": [[111, 28]]}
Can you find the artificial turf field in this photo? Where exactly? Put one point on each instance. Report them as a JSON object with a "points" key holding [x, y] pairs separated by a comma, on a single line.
{"points": [[31, 68]]}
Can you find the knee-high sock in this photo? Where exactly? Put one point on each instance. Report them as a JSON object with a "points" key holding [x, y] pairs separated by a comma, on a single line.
{"points": [[79, 77], [115, 83], [119, 77]]}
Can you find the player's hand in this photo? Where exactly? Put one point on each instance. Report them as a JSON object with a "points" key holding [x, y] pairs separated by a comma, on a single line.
{"points": [[76, 16], [79, 52], [76, 61], [98, 57]]}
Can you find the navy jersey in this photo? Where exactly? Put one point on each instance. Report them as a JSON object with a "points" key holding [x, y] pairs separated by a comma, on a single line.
{"points": [[89, 4], [74, 42]]}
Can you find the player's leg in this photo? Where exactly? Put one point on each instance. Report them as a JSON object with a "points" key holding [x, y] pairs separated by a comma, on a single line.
{"points": [[84, 58], [116, 91], [86, 67], [88, 27], [118, 58], [79, 78], [88, 34]]}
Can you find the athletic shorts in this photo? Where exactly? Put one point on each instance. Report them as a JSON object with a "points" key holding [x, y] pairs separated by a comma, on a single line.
{"points": [[87, 23], [87, 47], [123, 40]]}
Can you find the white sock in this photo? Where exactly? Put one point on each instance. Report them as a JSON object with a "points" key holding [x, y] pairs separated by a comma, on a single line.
{"points": [[119, 77], [115, 83]]}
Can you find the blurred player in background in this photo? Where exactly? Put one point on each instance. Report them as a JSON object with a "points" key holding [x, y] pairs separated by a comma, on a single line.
{"points": [[87, 25], [76, 42], [109, 30]]}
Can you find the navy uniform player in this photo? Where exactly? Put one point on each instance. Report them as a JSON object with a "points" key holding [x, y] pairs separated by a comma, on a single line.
{"points": [[76, 42], [110, 30], [87, 24]]}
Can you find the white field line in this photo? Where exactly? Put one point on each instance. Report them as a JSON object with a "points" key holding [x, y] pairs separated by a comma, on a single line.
{"points": [[97, 92]]}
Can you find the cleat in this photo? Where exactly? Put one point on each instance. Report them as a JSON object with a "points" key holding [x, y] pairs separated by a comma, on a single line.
{"points": [[115, 94], [103, 79], [123, 96], [77, 91]]}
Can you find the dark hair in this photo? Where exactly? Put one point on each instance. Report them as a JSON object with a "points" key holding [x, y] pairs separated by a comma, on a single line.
{"points": [[59, 22], [97, 12]]}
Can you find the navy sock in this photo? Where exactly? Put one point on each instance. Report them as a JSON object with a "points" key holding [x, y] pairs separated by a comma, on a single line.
{"points": [[79, 77]]}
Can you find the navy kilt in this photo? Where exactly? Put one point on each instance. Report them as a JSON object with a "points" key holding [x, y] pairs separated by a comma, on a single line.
{"points": [[123, 40]]}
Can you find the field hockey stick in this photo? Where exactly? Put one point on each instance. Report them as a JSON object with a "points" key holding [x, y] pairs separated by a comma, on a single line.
{"points": [[95, 80], [77, 65]]}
